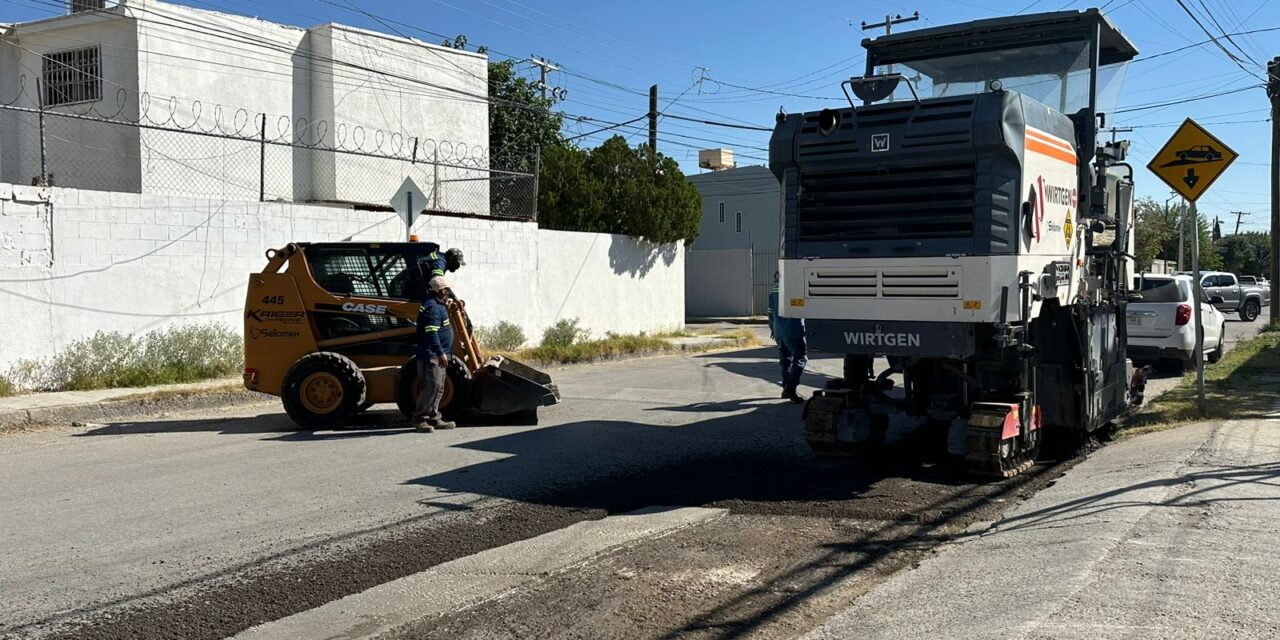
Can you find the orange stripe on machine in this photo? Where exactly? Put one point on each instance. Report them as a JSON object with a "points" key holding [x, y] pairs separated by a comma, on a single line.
{"points": [[1054, 152]]}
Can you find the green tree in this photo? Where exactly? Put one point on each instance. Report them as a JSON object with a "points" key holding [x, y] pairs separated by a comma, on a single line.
{"points": [[1157, 236], [570, 198], [1210, 259], [520, 120], [1246, 253], [1154, 226], [617, 188]]}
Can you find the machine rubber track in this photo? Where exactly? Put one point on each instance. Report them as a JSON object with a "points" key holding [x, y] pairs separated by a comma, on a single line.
{"points": [[987, 455]]}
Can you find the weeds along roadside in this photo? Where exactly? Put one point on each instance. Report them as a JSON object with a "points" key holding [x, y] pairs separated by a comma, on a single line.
{"points": [[1244, 385]]}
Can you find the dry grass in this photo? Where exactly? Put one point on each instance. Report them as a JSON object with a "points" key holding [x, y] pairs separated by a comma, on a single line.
{"points": [[228, 387], [614, 347], [1244, 385], [113, 360]]}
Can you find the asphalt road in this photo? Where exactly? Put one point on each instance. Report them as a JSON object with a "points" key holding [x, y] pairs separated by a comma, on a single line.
{"points": [[203, 523], [118, 517]]}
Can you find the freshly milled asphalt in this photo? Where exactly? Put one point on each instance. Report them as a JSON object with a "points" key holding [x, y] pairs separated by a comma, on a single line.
{"points": [[108, 518]]}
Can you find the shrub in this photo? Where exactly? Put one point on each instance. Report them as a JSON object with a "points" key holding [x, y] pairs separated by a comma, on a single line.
{"points": [[105, 360], [7, 388], [504, 336], [564, 333]]}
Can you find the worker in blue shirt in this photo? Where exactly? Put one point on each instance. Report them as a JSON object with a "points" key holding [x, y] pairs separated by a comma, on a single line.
{"points": [[435, 345], [792, 352], [437, 264]]}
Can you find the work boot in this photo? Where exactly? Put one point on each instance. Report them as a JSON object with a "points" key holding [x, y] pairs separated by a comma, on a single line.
{"points": [[445, 424], [423, 427], [795, 398]]}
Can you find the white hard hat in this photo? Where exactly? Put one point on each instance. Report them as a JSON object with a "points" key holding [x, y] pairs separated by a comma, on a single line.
{"points": [[437, 284]]}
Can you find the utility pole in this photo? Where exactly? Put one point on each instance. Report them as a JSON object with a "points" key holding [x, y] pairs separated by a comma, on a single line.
{"points": [[889, 21], [1197, 314], [1238, 215], [1273, 91], [1115, 130], [1182, 232], [543, 66], [653, 119], [887, 25]]}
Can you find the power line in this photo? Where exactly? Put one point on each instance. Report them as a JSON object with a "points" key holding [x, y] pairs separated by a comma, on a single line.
{"points": [[1184, 100], [720, 124], [608, 128], [1214, 20], [1224, 50]]}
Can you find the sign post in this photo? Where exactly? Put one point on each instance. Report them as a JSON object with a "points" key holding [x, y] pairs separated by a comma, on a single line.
{"points": [[407, 201], [1189, 163]]}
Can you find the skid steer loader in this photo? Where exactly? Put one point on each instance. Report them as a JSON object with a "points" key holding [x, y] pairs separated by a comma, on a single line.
{"points": [[330, 328]]}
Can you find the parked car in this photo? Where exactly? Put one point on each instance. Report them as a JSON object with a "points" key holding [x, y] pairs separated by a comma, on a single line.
{"points": [[1246, 301], [1160, 325]]}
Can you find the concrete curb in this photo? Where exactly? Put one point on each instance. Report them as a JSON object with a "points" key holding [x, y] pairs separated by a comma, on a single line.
{"points": [[124, 408], [466, 582]]}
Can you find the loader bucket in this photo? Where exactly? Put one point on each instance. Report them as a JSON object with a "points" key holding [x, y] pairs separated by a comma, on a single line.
{"points": [[508, 386]]}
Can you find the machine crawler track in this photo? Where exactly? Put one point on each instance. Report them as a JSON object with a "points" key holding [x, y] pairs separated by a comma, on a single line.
{"points": [[986, 454]]}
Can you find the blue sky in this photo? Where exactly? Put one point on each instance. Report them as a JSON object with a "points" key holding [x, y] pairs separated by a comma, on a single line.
{"points": [[739, 61]]}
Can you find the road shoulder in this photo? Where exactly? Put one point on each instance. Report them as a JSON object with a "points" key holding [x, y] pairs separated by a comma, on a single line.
{"points": [[1158, 536]]}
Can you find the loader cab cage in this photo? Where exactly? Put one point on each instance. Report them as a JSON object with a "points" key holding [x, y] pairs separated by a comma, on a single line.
{"points": [[1071, 61], [372, 270]]}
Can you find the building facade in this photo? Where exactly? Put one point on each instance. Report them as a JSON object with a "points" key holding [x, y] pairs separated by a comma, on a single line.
{"points": [[184, 73], [740, 209], [730, 267]]}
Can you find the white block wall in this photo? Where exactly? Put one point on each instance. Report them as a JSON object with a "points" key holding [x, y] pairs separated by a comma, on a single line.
{"points": [[74, 262]]}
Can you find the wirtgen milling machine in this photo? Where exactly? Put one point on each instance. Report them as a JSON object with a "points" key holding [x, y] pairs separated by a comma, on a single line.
{"points": [[966, 221]]}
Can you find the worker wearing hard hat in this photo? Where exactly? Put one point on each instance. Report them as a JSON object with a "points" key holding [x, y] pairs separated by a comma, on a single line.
{"points": [[435, 346], [439, 263]]}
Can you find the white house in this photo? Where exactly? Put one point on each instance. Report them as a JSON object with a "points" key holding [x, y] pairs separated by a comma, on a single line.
{"points": [[177, 67]]}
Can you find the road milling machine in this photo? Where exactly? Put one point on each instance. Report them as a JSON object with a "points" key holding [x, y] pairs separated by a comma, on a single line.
{"points": [[963, 218], [330, 328]]}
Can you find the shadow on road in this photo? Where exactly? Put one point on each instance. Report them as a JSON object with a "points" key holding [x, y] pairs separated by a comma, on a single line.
{"points": [[1207, 482], [761, 364], [753, 460], [368, 423]]}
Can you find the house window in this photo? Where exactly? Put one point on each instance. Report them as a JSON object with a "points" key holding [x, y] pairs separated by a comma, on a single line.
{"points": [[721, 213], [738, 222], [72, 76]]}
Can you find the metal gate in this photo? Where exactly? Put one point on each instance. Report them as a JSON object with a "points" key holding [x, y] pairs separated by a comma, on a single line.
{"points": [[763, 265]]}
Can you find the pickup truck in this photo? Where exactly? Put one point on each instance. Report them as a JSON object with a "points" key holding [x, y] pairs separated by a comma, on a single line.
{"points": [[1246, 301]]}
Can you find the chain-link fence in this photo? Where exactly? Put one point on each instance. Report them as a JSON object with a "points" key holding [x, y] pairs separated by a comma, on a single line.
{"points": [[256, 157]]}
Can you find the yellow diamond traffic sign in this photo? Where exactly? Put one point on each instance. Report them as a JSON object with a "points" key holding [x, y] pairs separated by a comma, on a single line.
{"points": [[1191, 160]]}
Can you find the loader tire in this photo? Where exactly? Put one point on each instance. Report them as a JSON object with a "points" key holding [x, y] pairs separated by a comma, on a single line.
{"points": [[323, 389], [457, 390]]}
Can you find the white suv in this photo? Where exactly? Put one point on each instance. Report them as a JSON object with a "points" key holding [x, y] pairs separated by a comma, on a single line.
{"points": [[1160, 326]]}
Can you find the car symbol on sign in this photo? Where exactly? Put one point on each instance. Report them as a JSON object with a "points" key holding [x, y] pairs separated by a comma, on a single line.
{"points": [[1200, 153]]}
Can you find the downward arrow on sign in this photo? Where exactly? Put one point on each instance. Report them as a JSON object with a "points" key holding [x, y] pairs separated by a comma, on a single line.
{"points": [[1191, 179]]}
